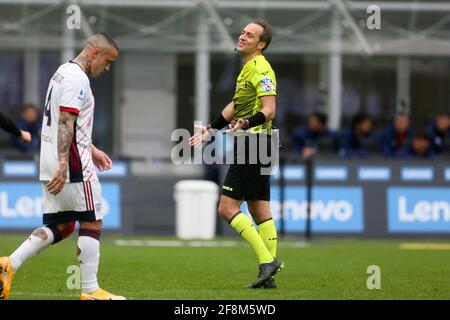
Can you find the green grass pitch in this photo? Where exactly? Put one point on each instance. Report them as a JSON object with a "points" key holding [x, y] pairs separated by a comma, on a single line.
{"points": [[322, 269]]}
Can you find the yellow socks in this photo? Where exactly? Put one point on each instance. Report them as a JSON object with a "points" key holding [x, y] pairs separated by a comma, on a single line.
{"points": [[268, 233], [244, 226]]}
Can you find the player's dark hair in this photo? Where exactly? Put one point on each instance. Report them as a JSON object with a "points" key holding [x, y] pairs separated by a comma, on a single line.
{"points": [[266, 35], [110, 40]]}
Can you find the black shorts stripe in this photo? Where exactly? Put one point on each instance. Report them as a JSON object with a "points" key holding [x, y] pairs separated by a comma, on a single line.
{"points": [[64, 216], [75, 166]]}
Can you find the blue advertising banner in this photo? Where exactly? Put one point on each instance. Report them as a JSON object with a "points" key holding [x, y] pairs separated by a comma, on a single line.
{"points": [[374, 173], [417, 174], [291, 172], [338, 173], [418, 209], [22, 205], [20, 169], [334, 209], [447, 174]]}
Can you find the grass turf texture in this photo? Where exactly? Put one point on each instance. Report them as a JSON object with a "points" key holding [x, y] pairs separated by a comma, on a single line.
{"points": [[324, 269]]}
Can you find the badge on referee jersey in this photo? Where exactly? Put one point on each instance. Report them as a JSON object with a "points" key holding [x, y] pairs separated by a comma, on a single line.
{"points": [[267, 85]]}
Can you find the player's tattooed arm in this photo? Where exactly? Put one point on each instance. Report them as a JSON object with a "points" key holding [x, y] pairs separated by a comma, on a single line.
{"points": [[65, 136]]}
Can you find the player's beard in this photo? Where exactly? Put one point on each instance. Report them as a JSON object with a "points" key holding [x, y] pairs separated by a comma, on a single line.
{"points": [[88, 70], [91, 72], [94, 75]]}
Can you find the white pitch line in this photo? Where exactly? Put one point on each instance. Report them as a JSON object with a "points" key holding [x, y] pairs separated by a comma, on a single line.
{"points": [[180, 243], [425, 246], [60, 295], [41, 294]]}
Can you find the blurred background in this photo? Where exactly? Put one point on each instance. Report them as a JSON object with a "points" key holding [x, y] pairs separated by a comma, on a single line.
{"points": [[363, 90]]}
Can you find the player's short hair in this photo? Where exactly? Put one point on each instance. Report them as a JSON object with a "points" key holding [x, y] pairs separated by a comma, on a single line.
{"points": [[110, 41], [266, 35], [105, 39]]}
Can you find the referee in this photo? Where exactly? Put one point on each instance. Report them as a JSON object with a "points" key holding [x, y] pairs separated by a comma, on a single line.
{"points": [[249, 116]]}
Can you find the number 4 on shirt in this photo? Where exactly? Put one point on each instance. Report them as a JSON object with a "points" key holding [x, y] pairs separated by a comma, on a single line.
{"points": [[47, 111]]}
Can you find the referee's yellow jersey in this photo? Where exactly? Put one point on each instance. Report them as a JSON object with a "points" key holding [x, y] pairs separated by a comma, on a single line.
{"points": [[257, 79]]}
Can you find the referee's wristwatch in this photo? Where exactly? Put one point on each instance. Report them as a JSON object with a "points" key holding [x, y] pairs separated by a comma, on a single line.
{"points": [[246, 123]]}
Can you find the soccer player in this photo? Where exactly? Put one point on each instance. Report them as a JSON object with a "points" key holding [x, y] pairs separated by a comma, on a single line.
{"points": [[70, 184], [9, 126], [250, 113]]}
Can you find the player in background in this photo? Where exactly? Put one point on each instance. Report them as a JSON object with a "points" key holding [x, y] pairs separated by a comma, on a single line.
{"points": [[9, 126], [251, 111], [70, 184]]}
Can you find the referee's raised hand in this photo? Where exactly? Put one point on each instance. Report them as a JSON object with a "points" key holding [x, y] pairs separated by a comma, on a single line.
{"points": [[200, 136]]}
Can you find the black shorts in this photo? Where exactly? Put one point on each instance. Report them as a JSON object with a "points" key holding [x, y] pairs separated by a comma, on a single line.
{"points": [[247, 181]]}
